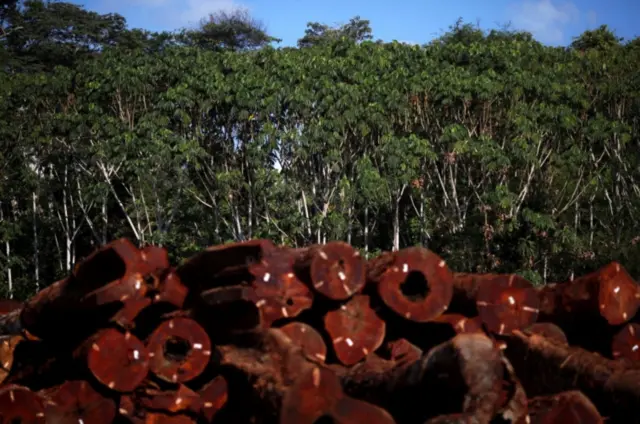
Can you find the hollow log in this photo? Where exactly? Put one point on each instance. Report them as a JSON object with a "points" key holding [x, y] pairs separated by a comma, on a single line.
{"points": [[546, 367], [414, 282], [179, 350], [279, 291]]}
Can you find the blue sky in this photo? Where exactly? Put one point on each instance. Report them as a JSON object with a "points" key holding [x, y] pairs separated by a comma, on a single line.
{"points": [[553, 22]]}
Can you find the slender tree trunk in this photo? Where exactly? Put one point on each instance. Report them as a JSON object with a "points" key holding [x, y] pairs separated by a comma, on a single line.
{"points": [[7, 247], [396, 226], [366, 232], [36, 248]]}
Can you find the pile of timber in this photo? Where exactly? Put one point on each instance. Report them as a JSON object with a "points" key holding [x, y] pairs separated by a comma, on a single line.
{"points": [[252, 332]]}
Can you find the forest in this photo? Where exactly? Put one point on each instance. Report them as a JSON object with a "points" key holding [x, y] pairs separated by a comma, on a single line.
{"points": [[493, 150]]}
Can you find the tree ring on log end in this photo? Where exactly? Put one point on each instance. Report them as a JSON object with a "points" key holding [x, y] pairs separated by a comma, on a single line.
{"points": [[279, 292], [626, 344], [312, 396], [213, 397], [461, 324], [618, 295], [337, 270], [307, 338], [76, 401], [119, 361], [507, 302], [355, 330], [18, 404], [417, 285], [179, 350]]}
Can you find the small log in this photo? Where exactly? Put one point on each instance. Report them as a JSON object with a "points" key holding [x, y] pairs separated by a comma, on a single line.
{"points": [[214, 396], [118, 361], [18, 404], [626, 344], [414, 282], [546, 367], [179, 350], [355, 330], [335, 270], [307, 338], [571, 407], [279, 291], [506, 303], [7, 349], [77, 402]]}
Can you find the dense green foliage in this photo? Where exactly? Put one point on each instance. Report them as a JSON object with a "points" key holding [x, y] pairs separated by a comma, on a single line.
{"points": [[497, 152]]}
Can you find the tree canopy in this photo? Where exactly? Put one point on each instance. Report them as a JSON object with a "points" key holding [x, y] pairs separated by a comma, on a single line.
{"points": [[497, 152]]}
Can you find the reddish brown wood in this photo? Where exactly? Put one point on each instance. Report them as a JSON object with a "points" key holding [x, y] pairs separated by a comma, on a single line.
{"points": [[181, 400], [307, 338], [549, 331], [506, 303], [608, 292], [462, 375], [179, 350], [9, 305], [222, 265], [77, 402], [317, 394], [313, 395], [401, 351], [336, 270], [413, 282], [20, 405], [279, 292], [570, 407], [118, 360], [355, 330], [460, 323], [163, 418], [546, 367], [214, 396], [626, 344], [7, 349]]}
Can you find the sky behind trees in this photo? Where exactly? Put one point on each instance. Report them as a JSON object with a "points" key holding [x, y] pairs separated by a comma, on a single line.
{"points": [[552, 22]]}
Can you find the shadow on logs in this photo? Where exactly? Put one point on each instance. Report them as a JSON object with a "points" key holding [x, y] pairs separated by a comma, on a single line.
{"points": [[544, 367], [591, 309]]}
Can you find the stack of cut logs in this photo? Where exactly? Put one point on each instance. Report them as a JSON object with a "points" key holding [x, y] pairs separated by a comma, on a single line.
{"points": [[252, 332]]}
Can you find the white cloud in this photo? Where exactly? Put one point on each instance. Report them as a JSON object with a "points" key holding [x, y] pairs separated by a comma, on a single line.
{"points": [[176, 13], [545, 19], [198, 9]]}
